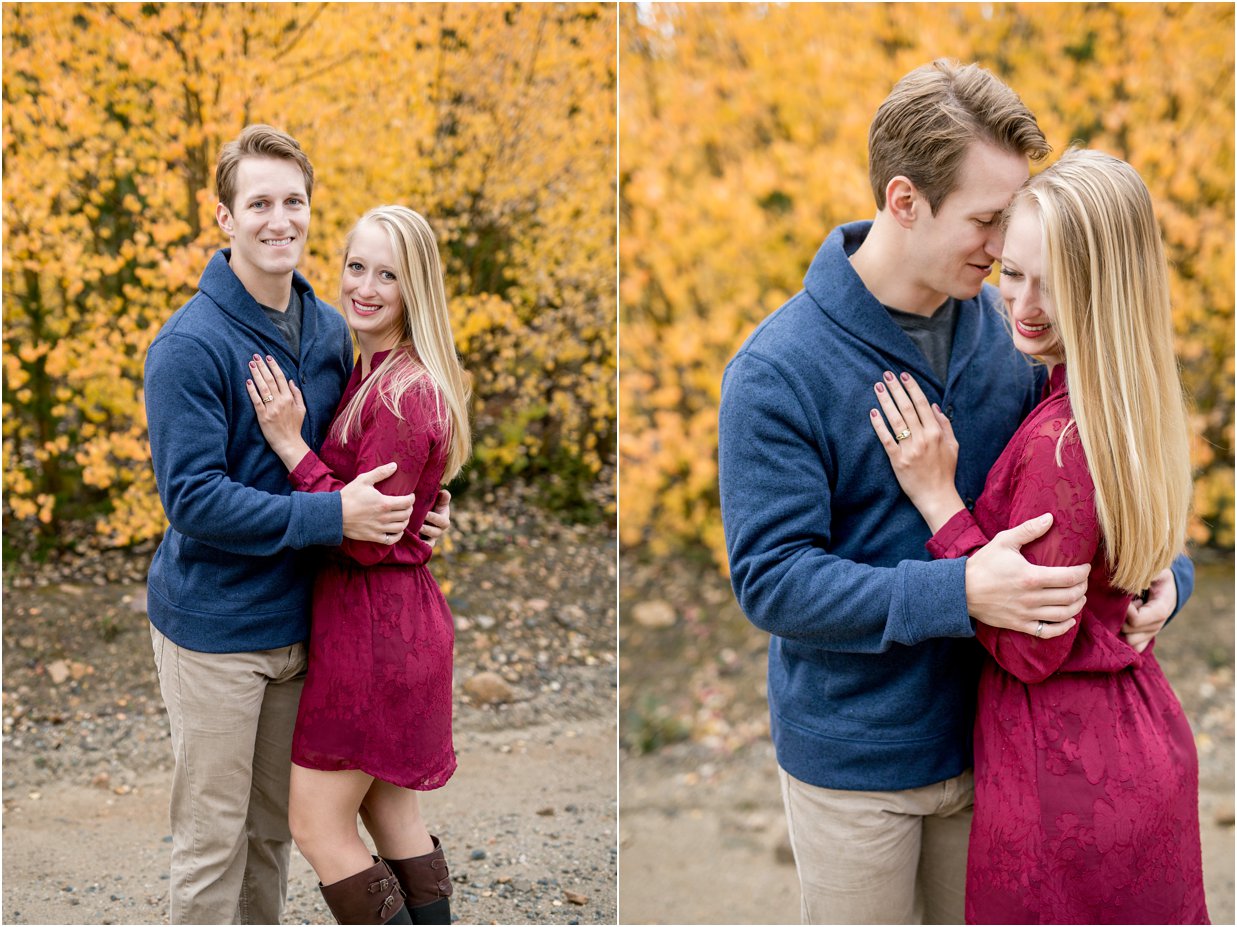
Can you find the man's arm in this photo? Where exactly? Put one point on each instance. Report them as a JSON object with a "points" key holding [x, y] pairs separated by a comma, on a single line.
{"points": [[777, 508], [186, 404]]}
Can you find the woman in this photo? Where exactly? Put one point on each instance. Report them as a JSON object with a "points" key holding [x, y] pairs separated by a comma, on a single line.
{"points": [[1086, 775], [374, 724]]}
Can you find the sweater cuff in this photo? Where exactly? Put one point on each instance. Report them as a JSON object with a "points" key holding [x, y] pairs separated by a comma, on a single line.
{"points": [[930, 601], [318, 518]]}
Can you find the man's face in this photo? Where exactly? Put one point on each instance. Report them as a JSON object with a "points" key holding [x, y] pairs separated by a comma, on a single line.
{"points": [[269, 218], [954, 249]]}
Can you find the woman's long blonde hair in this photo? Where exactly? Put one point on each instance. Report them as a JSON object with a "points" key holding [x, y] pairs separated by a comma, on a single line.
{"points": [[1108, 279], [426, 347]]}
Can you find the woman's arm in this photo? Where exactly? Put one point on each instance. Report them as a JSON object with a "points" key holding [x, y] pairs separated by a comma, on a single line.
{"points": [[408, 441], [923, 452], [1065, 492], [367, 514], [280, 409], [921, 447]]}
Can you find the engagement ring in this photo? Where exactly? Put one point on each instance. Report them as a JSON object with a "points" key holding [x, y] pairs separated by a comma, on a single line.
{"points": [[902, 435], [1039, 629]]}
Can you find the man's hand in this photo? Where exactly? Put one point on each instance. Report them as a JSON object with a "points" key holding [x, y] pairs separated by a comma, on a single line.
{"points": [[1004, 590], [437, 519], [1143, 620], [371, 516]]}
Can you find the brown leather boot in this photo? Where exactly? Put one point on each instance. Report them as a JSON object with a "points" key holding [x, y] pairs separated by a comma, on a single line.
{"points": [[427, 885], [372, 896]]}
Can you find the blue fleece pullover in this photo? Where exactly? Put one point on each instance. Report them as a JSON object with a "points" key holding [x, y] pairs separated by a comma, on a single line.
{"points": [[872, 660], [231, 574]]}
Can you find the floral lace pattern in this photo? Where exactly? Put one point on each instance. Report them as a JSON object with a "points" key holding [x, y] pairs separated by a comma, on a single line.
{"points": [[378, 692], [1086, 774]]}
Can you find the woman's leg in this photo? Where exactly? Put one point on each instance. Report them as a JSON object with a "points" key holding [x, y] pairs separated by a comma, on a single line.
{"points": [[322, 810], [322, 814], [392, 815]]}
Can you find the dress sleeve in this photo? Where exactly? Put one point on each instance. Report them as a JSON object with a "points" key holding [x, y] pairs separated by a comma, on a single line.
{"points": [[1066, 491], [384, 437]]}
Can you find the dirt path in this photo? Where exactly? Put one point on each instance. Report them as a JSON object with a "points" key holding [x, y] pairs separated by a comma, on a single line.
{"points": [[528, 820]]}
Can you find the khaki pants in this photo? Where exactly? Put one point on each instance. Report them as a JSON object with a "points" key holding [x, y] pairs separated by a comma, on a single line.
{"points": [[880, 857], [231, 716]]}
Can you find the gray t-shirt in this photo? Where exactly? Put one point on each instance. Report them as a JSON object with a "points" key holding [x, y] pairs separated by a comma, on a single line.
{"points": [[288, 322], [933, 334]]}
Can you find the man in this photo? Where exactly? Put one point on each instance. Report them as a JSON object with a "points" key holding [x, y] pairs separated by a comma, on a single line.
{"points": [[872, 671], [229, 587]]}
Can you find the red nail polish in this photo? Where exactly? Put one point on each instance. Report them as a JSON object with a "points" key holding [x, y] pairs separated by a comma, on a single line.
{"points": [[888, 375], [872, 413], [880, 387], [906, 377]]}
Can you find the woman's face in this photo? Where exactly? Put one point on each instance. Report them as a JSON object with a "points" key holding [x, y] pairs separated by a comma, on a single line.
{"points": [[1024, 288], [371, 298]]}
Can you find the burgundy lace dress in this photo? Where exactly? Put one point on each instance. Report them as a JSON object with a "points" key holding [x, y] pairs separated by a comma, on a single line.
{"points": [[1086, 774], [378, 693]]}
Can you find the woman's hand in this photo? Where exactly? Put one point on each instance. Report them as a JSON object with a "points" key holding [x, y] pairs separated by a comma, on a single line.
{"points": [[921, 447], [280, 408]]}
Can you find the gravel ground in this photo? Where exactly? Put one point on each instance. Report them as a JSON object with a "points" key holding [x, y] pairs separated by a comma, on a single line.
{"points": [[529, 820], [702, 835]]}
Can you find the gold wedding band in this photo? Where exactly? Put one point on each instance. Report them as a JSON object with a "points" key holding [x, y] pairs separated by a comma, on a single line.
{"points": [[902, 435]]}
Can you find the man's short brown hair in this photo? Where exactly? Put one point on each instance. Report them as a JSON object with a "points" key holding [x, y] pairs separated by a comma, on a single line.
{"points": [[258, 141], [925, 126]]}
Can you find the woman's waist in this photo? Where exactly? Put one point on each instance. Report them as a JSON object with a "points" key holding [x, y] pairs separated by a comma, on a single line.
{"points": [[404, 558]]}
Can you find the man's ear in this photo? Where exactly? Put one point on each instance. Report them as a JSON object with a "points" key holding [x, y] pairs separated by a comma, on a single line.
{"points": [[903, 201], [223, 216]]}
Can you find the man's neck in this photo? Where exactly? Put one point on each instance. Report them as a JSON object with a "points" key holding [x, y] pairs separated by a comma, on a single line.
{"points": [[882, 266], [272, 291]]}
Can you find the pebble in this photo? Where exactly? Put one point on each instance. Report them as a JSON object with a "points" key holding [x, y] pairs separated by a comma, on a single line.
{"points": [[488, 688], [655, 613], [1224, 815], [783, 852], [477, 854]]}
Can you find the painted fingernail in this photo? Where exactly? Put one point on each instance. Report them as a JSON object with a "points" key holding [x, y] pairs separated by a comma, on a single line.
{"points": [[906, 377], [872, 413], [880, 387], [270, 359], [888, 376], [252, 364]]}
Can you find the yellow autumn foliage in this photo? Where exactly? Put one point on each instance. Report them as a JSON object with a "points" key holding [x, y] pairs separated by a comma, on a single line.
{"points": [[743, 136], [497, 121]]}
